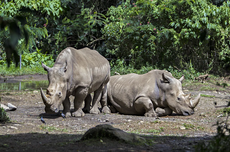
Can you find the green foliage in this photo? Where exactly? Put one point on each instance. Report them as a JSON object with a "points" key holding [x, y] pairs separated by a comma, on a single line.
{"points": [[28, 18], [3, 117], [7, 71], [120, 67], [35, 59], [171, 32]]}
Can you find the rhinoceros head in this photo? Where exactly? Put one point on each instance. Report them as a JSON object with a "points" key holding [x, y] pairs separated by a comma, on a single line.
{"points": [[56, 91], [176, 99]]}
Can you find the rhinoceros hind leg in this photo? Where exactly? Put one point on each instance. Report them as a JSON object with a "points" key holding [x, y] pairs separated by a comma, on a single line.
{"points": [[143, 105], [105, 108], [163, 111], [88, 101], [96, 99]]}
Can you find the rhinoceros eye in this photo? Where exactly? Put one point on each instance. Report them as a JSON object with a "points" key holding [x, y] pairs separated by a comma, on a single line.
{"points": [[59, 94]]}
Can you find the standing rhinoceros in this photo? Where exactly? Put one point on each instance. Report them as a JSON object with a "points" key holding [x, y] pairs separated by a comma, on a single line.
{"points": [[156, 93], [78, 73]]}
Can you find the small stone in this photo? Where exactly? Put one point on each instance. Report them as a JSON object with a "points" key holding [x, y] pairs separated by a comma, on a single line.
{"points": [[12, 127], [106, 120], [202, 114], [182, 128], [35, 91]]}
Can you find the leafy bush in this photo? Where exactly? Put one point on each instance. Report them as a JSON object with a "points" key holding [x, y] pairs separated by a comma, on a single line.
{"points": [[34, 59], [170, 33], [3, 116], [121, 67]]}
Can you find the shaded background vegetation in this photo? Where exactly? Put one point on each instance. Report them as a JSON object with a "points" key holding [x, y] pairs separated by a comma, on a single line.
{"points": [[182, 35]]}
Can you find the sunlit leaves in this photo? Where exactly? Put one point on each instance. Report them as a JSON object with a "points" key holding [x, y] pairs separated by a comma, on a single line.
{"points": [[174, 30]]}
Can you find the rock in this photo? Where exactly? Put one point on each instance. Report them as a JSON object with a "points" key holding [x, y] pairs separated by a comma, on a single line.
{"points": [[35, 91], [182, 128], [11, 107], [108, 131], [12, 127], [202, 114]]}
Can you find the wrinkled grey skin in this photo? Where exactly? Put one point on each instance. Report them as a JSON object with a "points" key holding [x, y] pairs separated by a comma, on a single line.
{"points": [[78, 73], [156, 93]]}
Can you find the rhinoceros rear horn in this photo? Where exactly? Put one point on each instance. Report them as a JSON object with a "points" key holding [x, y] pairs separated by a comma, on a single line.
{"points": [[195, 102], [45, 67], [44, 98], [182, 78]]}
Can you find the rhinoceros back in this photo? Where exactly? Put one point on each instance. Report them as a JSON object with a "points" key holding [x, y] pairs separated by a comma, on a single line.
{"points": [[87, 67]]}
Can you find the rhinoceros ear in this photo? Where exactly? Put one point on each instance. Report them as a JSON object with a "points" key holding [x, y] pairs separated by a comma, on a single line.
{"points": [[64, 67], [166, 78], [46, 68]]}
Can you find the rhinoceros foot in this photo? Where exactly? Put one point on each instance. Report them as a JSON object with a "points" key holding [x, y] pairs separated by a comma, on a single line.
{"points": [[105, 109], [94, 110], [150, 114], [86, 110], [67, 114], [163, 111], [78, 113]]}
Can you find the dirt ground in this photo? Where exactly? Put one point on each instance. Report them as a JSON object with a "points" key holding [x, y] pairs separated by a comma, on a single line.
{"points": [[173, 133]]}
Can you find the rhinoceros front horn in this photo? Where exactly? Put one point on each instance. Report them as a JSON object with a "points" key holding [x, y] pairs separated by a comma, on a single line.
{"points": [[195, 102], [44, 98]]}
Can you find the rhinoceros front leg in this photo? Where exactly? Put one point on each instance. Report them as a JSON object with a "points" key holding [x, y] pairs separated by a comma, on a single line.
{"points": [[143, 105], [66, 105], [163, 111], [80, 96], [96, 99]]}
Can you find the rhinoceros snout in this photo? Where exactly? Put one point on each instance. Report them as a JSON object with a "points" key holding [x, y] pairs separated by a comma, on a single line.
{"points": [[186, 113]]}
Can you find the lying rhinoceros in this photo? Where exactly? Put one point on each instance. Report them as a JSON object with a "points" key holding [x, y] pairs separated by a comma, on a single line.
{"points": [[78, 73], [156, 93]]}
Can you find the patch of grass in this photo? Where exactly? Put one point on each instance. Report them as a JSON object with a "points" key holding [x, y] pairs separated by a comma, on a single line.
{"points": [[12, 70], [3, 117], [189, 126], [156, 121], [52, 128], [225, 111], [192, 127], [4, 145], [209, 96], [222, 84], [154, 131], [207, 88]]}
